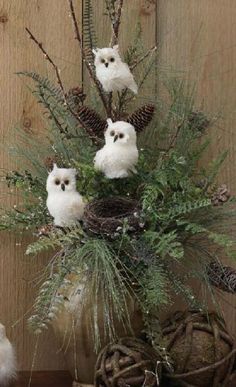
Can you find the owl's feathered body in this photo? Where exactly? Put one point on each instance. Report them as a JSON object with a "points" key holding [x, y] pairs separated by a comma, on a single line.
{"points": [[118, 157], [64, 203], [7, 359], [112, 73]]}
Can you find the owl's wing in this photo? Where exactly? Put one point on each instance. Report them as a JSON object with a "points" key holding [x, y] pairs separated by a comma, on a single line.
{"points": [[125, 77], [76, 207], [100, 158]]}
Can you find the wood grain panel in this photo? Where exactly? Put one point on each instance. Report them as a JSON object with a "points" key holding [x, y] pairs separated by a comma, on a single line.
{"points": [[44, 378], [50, 22], [197, 38]]}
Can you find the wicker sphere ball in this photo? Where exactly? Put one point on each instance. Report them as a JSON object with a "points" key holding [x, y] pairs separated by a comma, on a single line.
{"points": [[202, 351], [128, 362]]}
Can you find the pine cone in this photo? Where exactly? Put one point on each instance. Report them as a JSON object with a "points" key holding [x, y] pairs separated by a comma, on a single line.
{"points": [[222, 277], [142, 117], [77, 95], [94, 124], [198, 121], [45, 230], [220, 196], [49, 161]]}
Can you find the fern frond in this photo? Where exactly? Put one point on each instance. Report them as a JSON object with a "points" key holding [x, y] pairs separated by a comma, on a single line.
{"points": [[188, 207], [89, 34], [165, 244]]}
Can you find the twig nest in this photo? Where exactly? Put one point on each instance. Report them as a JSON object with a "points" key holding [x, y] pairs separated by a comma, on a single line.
{"points": [[110, 216], [202, 351], [128, 362]]}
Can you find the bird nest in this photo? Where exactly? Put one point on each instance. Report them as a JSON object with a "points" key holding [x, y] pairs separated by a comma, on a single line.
{"points": [[112, 215]]}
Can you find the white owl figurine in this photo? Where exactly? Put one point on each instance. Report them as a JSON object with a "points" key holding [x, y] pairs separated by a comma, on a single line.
{"points": [[118, 157], [64, 203], [7, 359], [113, 74]]}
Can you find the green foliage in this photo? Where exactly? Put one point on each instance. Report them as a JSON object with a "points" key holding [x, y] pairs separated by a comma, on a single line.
{"points": [[165, 244], [26, 182], [155, 288], [49, 300], [181, 225], [94, 260]]}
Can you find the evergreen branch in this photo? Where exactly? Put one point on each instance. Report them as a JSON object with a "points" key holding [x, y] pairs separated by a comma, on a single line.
{"points": [[88, 65]]}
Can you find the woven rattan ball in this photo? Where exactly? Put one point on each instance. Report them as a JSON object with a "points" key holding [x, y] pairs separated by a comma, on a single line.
{"points": [[128, 362], [201, 349], [110, 215]]}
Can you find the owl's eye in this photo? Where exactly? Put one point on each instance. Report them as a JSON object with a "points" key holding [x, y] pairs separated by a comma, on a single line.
{"points": [[103, 61], [121, 135], [112, 133], [57, 182], [112, 59], [66, 182]]}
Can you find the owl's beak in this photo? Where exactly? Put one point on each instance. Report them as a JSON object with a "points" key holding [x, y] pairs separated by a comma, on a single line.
{"points": [[106, 64], [115, 138], [63, 187]]}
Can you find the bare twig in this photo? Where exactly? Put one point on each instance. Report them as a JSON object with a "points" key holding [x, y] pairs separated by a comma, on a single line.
{"points": [[116, 24], [88, 65], [115, 17], [47, 57], [111, 115], [51, 111], [121, 102], [140, 60]]}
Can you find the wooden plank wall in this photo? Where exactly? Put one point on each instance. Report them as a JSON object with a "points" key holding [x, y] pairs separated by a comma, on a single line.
{"points": [[197, 37], [194, 36]]}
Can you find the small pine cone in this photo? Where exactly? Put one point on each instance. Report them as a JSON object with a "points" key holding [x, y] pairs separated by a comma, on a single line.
{"points": [[220, 196], [222, 277], [198, 121], [94, 124], [45, 230], [50, 161], [77, 95], [142, 117]]}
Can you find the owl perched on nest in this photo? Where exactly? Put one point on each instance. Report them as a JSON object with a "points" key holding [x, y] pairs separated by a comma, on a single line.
{"points": [[113, 74], [7, 359], [118, 157], [64, 203]]}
